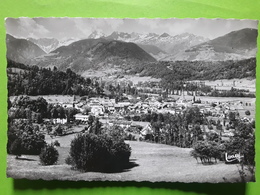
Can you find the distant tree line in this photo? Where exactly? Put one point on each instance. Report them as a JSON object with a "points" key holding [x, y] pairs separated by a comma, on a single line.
{"points": [[34, 110], [233, 92]]}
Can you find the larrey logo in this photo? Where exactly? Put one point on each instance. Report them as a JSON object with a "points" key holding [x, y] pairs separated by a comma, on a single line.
{"points": [[233, 157]]}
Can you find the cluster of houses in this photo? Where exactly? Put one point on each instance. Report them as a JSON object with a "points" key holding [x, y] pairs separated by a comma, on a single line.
{"points": [[109, 108], [114, 112]]}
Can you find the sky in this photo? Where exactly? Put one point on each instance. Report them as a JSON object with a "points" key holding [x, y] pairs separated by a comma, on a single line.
{"points": [[81, 28]]}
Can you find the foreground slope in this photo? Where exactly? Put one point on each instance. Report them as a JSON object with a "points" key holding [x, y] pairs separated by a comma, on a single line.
{"points": [[150, 162]]}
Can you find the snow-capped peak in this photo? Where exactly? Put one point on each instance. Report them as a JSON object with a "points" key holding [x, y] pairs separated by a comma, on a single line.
{"points": [[50, 44], [96, 35], [165, 35]]}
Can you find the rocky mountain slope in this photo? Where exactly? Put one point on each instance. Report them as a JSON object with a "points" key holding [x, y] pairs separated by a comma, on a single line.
{"points": [[94, 54], [50, 44], [22, 50], [170, 45], [235, 45]]}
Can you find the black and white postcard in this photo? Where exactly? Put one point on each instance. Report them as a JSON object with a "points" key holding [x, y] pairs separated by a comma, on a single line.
{"points": [[158, 100]]}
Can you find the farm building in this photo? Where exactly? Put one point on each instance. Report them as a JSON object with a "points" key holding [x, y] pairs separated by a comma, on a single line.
{"points": [[81, 117]]}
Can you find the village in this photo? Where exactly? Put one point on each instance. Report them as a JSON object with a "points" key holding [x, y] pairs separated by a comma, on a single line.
{"points": [[132, 111], [117, 105]]}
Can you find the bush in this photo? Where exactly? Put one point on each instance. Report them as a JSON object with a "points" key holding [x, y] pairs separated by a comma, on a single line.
{"points": [[136, 118], [32, 144], [117, 133], [16, 148], [58, 130], [247, 112], [213, 122], [56, 143], [26, 138], [69, 161], [49, 155], [206, 150], [227, 127], [219, 127], [121, 153], [90, 152], [242, 146], [212, 136], [127, 117]]}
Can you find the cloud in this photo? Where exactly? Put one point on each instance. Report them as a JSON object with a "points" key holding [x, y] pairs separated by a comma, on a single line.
{"points": [[30, 27], [26, 27], [104, 25], [64, 28]]}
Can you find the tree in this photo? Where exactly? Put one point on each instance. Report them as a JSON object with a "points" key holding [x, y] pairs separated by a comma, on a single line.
{"points": [[243, 142], [58, 130], [60, 112], [86, 110], [90, 152], [213, 136], [219, 125], [157, 126], [70, 112], [16, 147], [96, 127], [197, 132], [206, 150], [193, 115], [37, 117], [30, 139], [91, 119], [232, 116], [247, 112], [136, 118], [54, 113], [49, 155]]}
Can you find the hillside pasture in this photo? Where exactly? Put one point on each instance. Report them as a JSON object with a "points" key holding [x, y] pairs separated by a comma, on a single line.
{"points": [[227, 84], [52, 99], [148, 162]]}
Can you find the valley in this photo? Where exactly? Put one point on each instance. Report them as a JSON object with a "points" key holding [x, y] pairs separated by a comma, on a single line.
{"points": [[122, 99]]}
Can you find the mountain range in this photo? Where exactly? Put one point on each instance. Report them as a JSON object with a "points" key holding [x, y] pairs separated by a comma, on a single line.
{"points": [[94, 54], [159, 46], [123, 50], [50, 44], [165, 42], [235, 45]]}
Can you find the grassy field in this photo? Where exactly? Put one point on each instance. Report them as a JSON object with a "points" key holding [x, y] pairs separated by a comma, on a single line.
{"points": [[149, 162], [51, 98], [226, 84]]}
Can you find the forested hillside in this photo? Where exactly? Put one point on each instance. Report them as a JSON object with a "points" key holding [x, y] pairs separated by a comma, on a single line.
{"points": [[44, 81], [94, 54], [201, 70]]}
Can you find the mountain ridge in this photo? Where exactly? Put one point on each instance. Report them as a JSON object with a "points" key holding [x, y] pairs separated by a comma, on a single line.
{"points": [[22, 50], [94, 54], [163, 41], [50, 44], [236, 45]]}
